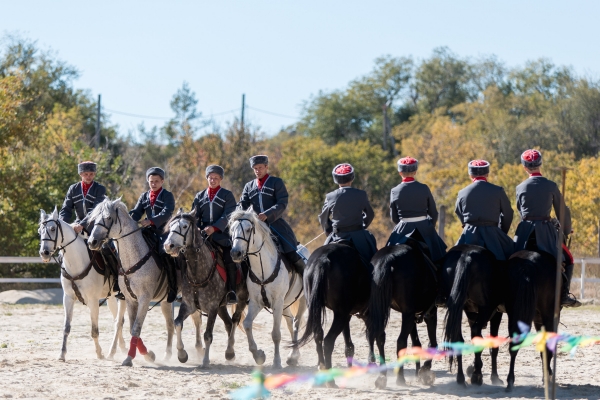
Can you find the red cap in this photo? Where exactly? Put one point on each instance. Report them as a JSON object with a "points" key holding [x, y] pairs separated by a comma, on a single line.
{"points": [[531, 155], [407, 161], [343, 169], [479, 163]]}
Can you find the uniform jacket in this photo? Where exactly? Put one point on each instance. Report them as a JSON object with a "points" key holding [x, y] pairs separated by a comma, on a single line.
{"points": [[535, 198], [272, 200], [215, 213], [410, 200], [160, 213], [486, 214], [346, 214], [83, 205]]}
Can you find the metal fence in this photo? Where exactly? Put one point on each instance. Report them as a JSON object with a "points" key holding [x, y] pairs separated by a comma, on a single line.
{"points": [[37, 260]]}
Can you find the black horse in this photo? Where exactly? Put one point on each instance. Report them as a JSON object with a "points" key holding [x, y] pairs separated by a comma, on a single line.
{"points": [[403, 279], [336, 278], [478, 281], [530, 298]]}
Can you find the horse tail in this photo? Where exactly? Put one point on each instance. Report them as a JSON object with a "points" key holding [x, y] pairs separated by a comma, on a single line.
{"points": [[317, 288], [378, 312], [456, 302], [524, 291]]}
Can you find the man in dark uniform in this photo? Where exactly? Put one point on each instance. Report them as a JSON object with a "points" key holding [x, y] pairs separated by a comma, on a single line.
{"points": [[347, 214], [269, 198], [158, 205], [83, 197], [411, 203], [213, 206], [485, 212], [535, 198]]}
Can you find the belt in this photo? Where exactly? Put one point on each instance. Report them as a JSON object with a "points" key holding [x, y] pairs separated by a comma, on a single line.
{"points": [[530, 218], [350, 228], [482, 223], [414, 219]]}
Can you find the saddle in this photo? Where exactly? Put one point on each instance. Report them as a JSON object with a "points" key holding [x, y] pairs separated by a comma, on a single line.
{"points": [[217, 253]]}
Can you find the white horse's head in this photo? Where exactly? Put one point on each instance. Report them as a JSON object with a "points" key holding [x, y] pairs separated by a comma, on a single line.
{"points": [[52, 234], [249, 235], [181, 232], [107, 218]]}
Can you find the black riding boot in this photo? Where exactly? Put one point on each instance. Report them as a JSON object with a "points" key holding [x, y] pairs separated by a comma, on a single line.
{"points": [[231, 270], [567, 298], [111, 262], [299, 266], [169, 264]]}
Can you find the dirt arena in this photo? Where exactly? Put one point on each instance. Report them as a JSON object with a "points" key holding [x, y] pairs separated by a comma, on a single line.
{"points": [[30, 340]]}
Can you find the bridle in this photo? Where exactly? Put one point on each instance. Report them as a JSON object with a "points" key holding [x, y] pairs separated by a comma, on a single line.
{"points": [[250, 235], [56, 248], [108, 228], [183, 234]]}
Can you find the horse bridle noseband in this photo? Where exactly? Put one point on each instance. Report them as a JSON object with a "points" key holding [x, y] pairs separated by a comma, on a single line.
{"points": [[253, 230], [56, 248], [184, 234], [108, 228]]}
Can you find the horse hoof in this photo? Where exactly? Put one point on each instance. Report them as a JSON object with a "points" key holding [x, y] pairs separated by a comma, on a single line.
{"points": [[331, 385], [426, 376], [168, 355], [400, 381], [292, 362], [477, 379], [61, 358], [229, 355], [276, 366], [321, 367], [509, 388], [260, 357], [497, 381], [182, 356], [470, 369], [150, 356], [100, 356], [381, 382], [128, 362]]}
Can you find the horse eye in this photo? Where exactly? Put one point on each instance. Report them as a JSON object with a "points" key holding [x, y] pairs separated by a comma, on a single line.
{"points": [[184, 226], [109, 217], [53, 229]]}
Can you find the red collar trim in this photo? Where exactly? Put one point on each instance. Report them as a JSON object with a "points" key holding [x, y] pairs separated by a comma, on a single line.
{"points": [[85, 187], [408, 179], [213, 192], [261, 182], [480, 178], [535, 174]]}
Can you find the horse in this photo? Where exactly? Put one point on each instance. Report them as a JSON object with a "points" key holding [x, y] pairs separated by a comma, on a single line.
{"points": [[267, 287], [201, 288], [478, 281], [79, 280], [336, 278], [530, 298], [406, 280], [140, 274]]}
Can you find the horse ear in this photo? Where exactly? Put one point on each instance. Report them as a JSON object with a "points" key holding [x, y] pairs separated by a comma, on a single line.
{"points": [[42, 214], [55, 213], [250, 210], [180, 211]]}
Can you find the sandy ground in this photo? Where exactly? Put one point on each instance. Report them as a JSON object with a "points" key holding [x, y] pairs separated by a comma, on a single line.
{"points": [[30, 338]]}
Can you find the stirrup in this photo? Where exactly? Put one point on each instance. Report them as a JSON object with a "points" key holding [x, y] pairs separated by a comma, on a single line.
{"points": [[570, 301], [231, 297], [120, 296]]}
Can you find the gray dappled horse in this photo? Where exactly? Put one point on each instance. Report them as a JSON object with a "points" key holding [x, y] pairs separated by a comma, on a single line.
{"points": [[270, 283], [202, 289], [141, 278], [79, 280]]}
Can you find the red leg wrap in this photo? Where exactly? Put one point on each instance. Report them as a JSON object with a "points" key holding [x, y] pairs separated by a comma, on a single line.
{"points": [[132, 346], [140, 346]]}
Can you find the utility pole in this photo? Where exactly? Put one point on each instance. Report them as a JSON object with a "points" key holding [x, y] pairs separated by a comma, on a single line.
{"points": [[384, 107], [243, 108], [98, 125]]}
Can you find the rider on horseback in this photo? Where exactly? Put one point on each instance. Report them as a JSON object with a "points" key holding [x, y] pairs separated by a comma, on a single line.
{"points": [[411, 203], [213, 206], [346, 207], [83, 197], [158, 205], [485, 212], [268, 197], [535, 198]]}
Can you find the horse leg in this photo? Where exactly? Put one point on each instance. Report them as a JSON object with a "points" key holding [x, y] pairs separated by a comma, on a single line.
{"points": [[408, 322], [137, 315], [208, 335], [476, 331], [494, 328], [426, 376], [318, 337], [349, 350], [381, 381], [68, 303], [510, 379], [230, 328], [94, 312], [340, 321], [167, 311], [416, 342], [292, 324], [197, 319], [276, 332], [253, 310], [117, 307], [183, 313]]}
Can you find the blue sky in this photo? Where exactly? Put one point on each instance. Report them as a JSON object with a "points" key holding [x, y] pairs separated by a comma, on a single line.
{"points": [[279, 53]]}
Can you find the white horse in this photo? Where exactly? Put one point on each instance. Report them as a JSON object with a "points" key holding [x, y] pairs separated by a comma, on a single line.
{"points": [[79, 280], [270, 284], [140, 278]]}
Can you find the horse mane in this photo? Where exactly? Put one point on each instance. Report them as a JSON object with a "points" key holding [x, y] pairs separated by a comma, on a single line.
{"points": [[190, 216], [106, 207], [258, 224]]}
